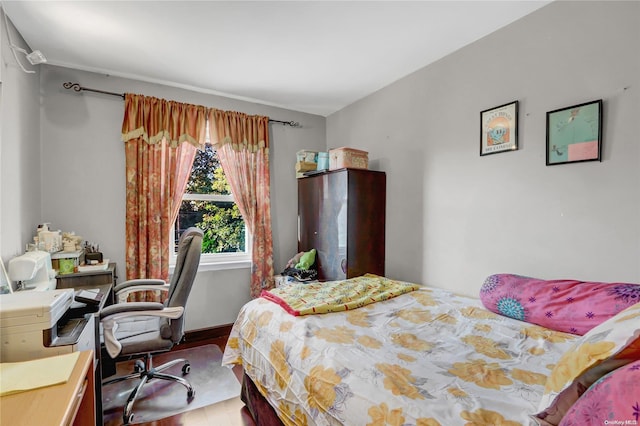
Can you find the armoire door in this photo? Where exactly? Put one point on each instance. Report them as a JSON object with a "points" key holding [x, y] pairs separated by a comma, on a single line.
{"points": [[341, 214]]}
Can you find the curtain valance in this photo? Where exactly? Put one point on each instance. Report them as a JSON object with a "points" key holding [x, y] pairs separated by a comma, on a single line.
{"points": [[154, 119], [243, 132]]}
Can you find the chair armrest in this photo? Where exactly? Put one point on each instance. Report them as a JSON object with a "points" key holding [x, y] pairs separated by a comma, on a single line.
{"points": [[110, 316], [130, 307], [138, 281], [123, 290]]}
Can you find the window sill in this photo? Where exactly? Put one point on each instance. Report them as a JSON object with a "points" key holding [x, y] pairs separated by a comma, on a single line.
{"points": [[219, 266]]}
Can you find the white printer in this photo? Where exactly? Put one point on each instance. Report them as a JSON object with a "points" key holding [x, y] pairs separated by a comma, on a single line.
{"points": [[34, 324]]}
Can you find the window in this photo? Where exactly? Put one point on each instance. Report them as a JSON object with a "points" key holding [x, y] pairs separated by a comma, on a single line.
{"points": [[208, 204]]}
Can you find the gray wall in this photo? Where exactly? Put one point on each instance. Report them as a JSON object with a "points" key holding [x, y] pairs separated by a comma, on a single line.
{"points": [[455, 217], [20, 176]]}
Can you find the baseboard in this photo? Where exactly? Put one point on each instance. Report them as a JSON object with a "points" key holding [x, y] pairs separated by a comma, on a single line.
{"points": [[205, 334]]}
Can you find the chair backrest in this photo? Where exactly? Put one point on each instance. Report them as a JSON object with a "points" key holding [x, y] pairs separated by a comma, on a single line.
{"points": [[188, 259]]}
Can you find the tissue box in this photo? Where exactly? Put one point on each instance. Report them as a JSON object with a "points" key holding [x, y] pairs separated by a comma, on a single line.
{"points": [[341, 158], [66, 262], [96, 255], [67, 266]]}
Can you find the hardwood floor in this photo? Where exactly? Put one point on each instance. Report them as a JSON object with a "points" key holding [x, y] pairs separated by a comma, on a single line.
{"points": [[225, 413]]}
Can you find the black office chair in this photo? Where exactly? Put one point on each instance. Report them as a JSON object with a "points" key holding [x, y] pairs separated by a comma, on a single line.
{"points": [[143, 329]]}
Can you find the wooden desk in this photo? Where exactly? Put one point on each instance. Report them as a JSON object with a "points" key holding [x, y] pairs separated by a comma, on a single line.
{"points": [[89, 279], [107, 299], [71, 403]]}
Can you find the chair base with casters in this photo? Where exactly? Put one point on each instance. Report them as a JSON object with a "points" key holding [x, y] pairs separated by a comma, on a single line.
{"points": [[139, 330], [145, 371]]}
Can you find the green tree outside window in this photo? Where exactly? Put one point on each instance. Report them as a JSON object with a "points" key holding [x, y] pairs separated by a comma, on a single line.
{"points": [[208, 205]]}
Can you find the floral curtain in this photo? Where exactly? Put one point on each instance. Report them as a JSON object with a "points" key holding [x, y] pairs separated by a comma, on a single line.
{"points": [[242, 142], [161, 138]]}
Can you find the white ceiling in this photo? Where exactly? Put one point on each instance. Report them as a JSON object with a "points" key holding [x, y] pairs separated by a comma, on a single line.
{"points": [[310, 56]]}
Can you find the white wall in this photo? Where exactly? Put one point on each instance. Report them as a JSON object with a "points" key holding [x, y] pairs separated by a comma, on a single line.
{"points": [[20, 176], [455, 217], [83, 185]]}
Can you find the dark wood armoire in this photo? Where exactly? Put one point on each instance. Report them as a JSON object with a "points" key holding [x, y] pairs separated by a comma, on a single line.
{"points": [[341, 213]]}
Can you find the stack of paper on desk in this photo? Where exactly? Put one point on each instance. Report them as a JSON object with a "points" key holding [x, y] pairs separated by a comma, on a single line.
{"points": [[98, 267], [26, 375]]}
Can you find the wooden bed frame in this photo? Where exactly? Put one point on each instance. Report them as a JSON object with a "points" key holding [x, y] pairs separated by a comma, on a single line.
{"points": [[257, 411]]}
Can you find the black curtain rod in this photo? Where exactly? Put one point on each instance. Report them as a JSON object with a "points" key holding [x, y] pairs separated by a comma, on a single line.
{"points": [[76, 87]]}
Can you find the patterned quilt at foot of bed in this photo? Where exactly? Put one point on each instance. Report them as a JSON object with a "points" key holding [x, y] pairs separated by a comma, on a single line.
{"points": [[336, 296]]}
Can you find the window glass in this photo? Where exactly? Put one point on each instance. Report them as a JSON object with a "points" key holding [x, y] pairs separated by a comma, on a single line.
{"points": [[208, 204]]}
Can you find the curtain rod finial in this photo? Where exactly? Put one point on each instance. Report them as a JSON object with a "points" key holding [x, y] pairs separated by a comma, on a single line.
{"points": [[74, 86]]}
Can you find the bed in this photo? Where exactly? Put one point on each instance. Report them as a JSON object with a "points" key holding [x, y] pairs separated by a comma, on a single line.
{"points": [[421, 357]]}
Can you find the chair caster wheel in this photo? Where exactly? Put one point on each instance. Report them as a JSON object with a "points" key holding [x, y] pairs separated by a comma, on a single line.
{"points": [[128, 419], [186, 369], [138, 367]]}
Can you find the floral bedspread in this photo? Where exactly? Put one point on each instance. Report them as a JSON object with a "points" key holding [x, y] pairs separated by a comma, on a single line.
{"points": [[336, 296], [425, 358]]}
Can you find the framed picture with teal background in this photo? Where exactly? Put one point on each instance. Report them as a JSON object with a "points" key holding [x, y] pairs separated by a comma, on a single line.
{"points": [[499, 129], [574, 134]]}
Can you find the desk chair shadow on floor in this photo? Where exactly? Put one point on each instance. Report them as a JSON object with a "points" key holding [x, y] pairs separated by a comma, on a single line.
{"points": [[143, 329]]}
